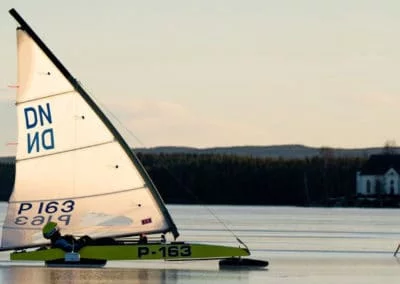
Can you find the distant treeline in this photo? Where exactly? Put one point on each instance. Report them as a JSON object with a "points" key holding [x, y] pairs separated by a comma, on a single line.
{"points": [[227, 179], [7, 176], [230, 179]]}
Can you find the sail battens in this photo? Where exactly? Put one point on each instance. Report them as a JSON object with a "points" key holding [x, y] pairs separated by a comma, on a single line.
{"points": [[72, 164], [45, 97], [78, 197], [66, 151], [18, 228]]}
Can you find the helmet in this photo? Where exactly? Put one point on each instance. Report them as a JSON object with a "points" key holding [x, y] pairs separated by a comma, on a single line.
{"points": [[49, 229]]}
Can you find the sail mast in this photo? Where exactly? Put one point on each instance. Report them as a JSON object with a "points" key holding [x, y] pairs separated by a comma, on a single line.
{"points": [[102, 116]]}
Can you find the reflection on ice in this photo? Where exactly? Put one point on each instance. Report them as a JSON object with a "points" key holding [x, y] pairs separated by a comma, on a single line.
{"points": [[31, 274], [302, 245]]}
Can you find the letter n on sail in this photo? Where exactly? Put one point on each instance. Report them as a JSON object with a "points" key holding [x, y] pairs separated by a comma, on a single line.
{"points": [[65, 162]]}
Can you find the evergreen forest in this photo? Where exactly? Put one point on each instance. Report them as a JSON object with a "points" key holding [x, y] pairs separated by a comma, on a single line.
{"points": [[238, 180]]}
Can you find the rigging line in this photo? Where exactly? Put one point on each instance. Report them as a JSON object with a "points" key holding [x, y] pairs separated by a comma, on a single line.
{"points": [[206, 207], [169, 172], [126, 128], [104, 107]]}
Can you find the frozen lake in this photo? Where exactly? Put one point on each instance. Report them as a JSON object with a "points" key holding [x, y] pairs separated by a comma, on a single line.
{"points": [[303, 245]]}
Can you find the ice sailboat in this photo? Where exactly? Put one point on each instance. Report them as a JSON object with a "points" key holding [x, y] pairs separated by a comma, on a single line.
{"points": [[73, 167]]}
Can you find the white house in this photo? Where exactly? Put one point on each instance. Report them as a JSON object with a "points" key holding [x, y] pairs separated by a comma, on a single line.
{"points": [[380, 175]]}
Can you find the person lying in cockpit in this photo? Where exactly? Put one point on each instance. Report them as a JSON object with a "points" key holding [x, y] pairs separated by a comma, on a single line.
{"points": [[68, 243]]}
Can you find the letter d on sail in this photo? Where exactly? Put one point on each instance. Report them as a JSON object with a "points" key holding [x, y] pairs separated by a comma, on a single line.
{"points": [[30, 117], [35, 118], [48, 139]]}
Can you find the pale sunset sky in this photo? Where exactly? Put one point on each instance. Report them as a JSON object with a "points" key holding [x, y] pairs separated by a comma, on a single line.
{"points": [[223, 73]]}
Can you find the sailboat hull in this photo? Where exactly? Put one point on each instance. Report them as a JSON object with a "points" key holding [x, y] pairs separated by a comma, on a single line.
{"points": [[171, 251], [76, 178]]}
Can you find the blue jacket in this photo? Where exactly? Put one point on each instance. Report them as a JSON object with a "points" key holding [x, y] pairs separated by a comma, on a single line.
{"points": [[63, 244]]}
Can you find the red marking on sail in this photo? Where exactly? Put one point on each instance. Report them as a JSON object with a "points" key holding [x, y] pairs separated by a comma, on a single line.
{"points": [[13, 86], [146, 221], [12, 144]]}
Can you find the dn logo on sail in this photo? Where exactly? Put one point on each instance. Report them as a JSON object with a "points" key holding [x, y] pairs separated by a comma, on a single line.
{"points": [[37, 121]]}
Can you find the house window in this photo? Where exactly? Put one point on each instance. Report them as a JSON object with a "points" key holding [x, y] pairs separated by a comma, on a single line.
{"points": [[391, 186], [368, 187]]}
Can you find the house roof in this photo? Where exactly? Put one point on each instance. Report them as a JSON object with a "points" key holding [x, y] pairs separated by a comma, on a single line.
{"points": [[380, 164]]}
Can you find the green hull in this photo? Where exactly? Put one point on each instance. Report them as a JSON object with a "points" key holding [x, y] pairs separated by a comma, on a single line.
{"points": [[172, 251]]}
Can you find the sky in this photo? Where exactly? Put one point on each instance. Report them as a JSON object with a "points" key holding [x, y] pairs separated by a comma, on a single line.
{"points": [[215, 73]]}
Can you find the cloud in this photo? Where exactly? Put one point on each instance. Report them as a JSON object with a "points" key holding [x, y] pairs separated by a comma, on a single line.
{"points": [[374, 99], [157, 122]]}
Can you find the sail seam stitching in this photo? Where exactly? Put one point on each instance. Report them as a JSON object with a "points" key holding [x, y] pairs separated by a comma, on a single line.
{"points": [[80, 197], [66, 151], [49, 96]]}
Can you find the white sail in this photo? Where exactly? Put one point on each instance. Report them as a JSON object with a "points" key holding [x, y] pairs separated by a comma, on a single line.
{"points": [[72, 166]]}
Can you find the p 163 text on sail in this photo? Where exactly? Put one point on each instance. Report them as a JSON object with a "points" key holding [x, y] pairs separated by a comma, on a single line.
{"points": [[46, 211]]}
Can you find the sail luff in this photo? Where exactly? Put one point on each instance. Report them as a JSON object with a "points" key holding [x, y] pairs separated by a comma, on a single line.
{"points": [[103, 118]]}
